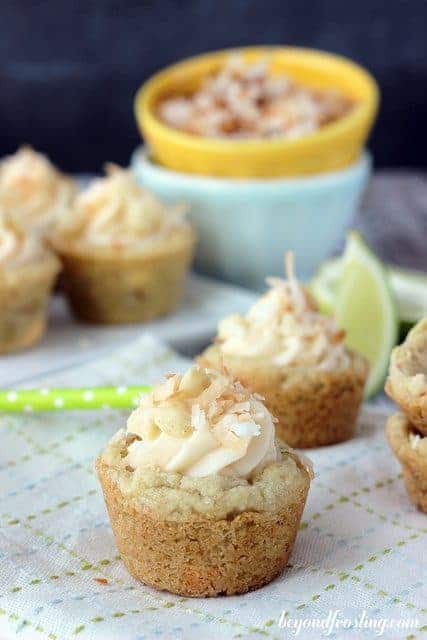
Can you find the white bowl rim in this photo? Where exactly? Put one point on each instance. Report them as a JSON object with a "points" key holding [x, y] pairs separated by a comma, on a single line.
{"points": [[140, 160]]}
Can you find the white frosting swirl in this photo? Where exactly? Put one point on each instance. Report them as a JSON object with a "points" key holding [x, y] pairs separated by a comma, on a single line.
{"points": [[17, 247], [115, 211], [285, 328], [32, 190], [200, 424]]}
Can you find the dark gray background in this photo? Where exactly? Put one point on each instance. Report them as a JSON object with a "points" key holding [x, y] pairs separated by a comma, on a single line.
{"points": [[69, 70]]}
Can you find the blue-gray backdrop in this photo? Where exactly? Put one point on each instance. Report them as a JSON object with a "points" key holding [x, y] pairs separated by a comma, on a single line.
{"points": [[69, 69]]}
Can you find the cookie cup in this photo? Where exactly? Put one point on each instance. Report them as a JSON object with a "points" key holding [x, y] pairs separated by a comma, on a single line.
{"points": [[24, 297], [207, 536], [314, 407], [412, 458], [407, 380], [107, 286]]}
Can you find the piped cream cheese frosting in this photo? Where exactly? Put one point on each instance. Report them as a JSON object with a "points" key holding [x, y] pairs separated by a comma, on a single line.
{"points": [[285, 328], [115, 211], [32, 190], [199, 424], [17, 247]]}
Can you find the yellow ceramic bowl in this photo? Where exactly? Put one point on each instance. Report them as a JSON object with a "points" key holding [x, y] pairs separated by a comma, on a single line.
{"points": [[333, 147]]}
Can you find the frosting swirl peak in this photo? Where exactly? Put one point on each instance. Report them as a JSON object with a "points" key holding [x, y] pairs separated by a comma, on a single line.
{"points": [[285, 327], [32, 190], [199, 424], [116, 211], [17, 247]]}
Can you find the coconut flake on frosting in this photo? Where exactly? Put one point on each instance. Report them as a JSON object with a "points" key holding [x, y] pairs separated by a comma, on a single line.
{"points": [[32, 190], [201, 423], [17, 247], [115, 211], [285, 327]]}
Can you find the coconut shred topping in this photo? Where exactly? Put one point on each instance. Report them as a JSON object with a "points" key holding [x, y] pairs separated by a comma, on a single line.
{"points": [[116, 212], [32, 190], [16, 247], [285, 328], [246, 101], [199, 424]]}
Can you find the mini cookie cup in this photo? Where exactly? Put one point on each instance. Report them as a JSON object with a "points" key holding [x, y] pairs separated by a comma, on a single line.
{"points": [[202, 554], [413, 459], [24, 298], [314, 407], [407, 380], [115, 287]]}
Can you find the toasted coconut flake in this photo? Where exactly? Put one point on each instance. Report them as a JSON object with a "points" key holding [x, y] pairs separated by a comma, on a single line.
{"points": [[213, 392], [242, 407], [246, 428], [167, 390], [198, 418], [244, 100]]}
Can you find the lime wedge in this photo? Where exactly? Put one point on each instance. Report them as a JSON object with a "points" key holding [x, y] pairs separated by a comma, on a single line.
{"points": [[409, 289], [366, 309], [325, 283]]}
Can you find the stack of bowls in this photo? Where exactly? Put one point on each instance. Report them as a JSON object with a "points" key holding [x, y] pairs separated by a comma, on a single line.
{"points": [[250, 200]]}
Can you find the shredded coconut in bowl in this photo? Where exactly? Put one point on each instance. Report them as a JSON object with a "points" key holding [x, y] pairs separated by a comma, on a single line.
{"points": [[285, 328], [245, 101]]}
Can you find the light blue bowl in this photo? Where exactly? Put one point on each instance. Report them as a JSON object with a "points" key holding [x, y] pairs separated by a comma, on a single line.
{"points": [[245, 226]]}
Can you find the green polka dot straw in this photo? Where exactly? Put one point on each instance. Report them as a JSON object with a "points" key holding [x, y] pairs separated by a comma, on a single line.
{"points": [[45, 399]]}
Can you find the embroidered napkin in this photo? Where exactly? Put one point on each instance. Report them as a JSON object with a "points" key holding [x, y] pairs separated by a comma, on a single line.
{"points": [[359, 559]]}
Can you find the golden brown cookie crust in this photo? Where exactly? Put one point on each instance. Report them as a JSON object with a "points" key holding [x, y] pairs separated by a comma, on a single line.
{"points": [[412, 459], [407, 380], [314, 408], [175, 496], [115, 289], [24, 298], [198, 556]]}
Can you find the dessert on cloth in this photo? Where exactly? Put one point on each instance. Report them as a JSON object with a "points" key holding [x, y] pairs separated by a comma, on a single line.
{"points": [[125, 254], [407, 379], [407, 432], [202, 499], [360, 543], [28, 270], [296, 358], [410, 448], [33, 191], [245, 100]]}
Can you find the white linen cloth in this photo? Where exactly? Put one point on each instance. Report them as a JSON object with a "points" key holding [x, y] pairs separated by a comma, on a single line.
{"points": [[361, 547], [68, 342]]}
